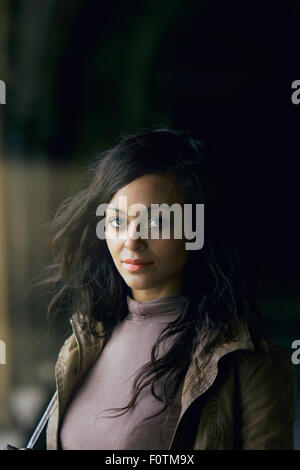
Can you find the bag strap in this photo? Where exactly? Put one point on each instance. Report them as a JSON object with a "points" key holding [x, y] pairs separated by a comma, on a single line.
{"points": [[42, 422]]}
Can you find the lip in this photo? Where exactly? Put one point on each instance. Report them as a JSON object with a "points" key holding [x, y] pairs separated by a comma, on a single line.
{"points": [[137, 262], [135, 265]]}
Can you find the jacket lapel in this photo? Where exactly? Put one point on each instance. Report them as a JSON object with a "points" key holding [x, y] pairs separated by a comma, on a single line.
{"points": [[196, 385], [75, 358]]}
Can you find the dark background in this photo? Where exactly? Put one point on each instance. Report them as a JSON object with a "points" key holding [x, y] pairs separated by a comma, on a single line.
{"points": [[80, 73]]}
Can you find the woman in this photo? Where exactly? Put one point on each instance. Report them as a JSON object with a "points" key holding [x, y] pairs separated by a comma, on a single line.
{"points": [[161, 355]]}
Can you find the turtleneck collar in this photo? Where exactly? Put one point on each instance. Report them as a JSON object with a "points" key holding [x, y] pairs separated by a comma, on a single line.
{"points": [[163, 310]]}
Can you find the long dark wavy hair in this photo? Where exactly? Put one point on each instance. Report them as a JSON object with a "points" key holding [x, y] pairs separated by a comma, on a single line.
{"points": [[84, 277]]}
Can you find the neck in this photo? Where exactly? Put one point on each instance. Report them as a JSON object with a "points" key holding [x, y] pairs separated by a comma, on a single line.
{"points": [[155, 293], [162, 310]]}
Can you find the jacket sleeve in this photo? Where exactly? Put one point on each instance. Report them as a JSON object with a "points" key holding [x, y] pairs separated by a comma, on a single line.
{"points": [[268, 402]]}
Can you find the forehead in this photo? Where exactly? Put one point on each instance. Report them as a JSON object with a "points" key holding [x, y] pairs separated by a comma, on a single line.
{"points": [[149, 189]]}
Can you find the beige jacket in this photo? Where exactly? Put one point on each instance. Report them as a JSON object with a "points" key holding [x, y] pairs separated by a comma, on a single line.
{"points": [[247, 400]]}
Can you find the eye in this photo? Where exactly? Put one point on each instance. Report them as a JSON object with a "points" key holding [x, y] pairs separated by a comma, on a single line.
{"points": [[158, 222], [115, 222]]}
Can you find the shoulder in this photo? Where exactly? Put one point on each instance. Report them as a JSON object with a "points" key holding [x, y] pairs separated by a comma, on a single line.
{"points": [[266, 374], [267, 382]]}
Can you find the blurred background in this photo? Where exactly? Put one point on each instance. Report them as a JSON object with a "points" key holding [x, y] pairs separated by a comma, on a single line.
{"points": [[80, 73]]}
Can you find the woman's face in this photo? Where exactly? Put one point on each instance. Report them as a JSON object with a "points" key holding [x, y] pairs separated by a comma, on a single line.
{"points": [[168, 256]]}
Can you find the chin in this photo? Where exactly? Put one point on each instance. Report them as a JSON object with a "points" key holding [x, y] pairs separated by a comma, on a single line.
{"points": [[139, 284]]}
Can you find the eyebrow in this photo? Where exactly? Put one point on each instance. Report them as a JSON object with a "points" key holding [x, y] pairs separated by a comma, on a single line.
{"points": [[120, 210]]}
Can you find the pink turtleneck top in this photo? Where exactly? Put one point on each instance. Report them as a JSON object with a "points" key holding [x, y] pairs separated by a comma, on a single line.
{"points": [[87, 425]]}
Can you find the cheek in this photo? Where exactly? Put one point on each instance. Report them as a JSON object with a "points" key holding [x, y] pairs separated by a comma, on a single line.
{"points": [[113, 246], [172, 251]]}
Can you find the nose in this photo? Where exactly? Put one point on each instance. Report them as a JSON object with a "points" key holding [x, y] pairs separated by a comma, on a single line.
{"points": [[133, 239]]}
